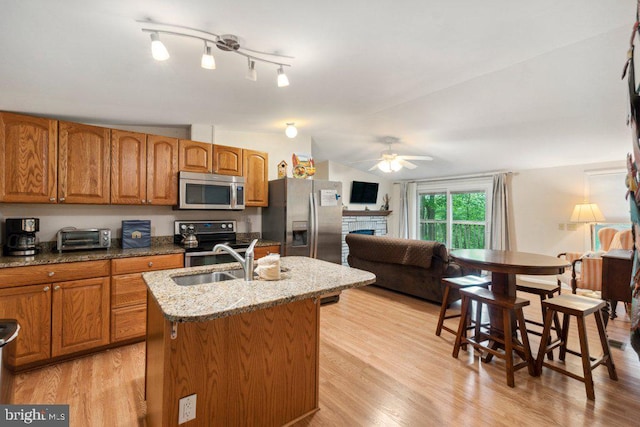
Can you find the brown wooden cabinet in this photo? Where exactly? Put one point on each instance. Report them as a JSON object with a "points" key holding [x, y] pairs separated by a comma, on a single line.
{"points": [[129, 293], [80, 315], [162, 170], [128, 167], [227, 160], [84, 164], [144, 169], [31, 307], [262, 251], [28, 159], [256, 177], [60, 309], [195, 156]]}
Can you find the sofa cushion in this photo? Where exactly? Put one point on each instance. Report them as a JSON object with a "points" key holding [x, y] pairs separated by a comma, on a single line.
{"points": [[390, 250]]}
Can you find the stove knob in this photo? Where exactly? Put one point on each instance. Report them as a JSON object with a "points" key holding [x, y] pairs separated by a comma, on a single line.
{"points": [[231, 226], [223, 226], [183, 227]]}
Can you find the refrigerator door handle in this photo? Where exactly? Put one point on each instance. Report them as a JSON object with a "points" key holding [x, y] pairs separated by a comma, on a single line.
{"points": [[314, 225]]}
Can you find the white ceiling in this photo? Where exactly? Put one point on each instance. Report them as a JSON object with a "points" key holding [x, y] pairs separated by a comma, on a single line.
{"points": [[477, 85]]}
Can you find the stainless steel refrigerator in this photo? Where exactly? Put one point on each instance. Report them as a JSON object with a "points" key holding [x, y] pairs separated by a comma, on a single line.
{"points": [[305, 216]]}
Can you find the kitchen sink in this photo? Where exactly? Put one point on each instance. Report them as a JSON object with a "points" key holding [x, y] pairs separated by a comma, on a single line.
{"points": [[210, 277]]}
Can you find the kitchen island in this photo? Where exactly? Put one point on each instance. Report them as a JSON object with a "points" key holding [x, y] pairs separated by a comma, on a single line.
{"points": [[247, 350]]}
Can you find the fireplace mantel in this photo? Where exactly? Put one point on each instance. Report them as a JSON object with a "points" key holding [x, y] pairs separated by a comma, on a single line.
{"points": [[365, 213]]}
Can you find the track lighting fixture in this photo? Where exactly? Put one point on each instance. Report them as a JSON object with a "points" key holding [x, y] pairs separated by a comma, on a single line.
{"points": [[251, 72], [291, 131], [158, 50], [225, 42], [208, 61], [283, 80]]}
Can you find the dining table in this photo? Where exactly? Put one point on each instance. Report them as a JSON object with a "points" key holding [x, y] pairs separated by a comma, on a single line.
{"points": [[504, 266]]}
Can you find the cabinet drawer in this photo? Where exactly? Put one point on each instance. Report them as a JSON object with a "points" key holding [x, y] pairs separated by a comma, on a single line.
{"points": [[146, 263], [50, 273], [128, 322], [128, 289]]}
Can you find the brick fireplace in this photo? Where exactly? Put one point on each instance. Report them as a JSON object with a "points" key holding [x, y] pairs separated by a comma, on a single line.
{"points": [[364, 223]]}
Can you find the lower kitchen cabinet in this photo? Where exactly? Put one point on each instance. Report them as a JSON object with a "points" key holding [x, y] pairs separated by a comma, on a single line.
{"points": [[262, 251], [31, 306], [80, 315], [65, 313], [129, 293]]}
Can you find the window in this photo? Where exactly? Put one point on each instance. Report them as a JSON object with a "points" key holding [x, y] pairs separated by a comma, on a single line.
{"points": [[455, 214]]}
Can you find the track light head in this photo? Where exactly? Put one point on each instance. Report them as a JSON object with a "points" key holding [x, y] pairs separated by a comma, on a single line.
{"points": [[158, 50], [207, 61], [251, 71], [283, 80]]}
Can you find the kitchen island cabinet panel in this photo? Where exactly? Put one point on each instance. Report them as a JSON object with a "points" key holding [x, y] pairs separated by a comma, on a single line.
{"points": [[84, 164], [31, 307], [80, 315], [28, 159]]}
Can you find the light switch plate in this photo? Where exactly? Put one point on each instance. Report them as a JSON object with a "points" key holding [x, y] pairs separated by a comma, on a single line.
{"points": [[187, 409]]}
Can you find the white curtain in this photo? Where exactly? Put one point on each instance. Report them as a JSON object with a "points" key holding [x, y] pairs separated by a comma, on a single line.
{"points": [[408, 211], [501, 222]]}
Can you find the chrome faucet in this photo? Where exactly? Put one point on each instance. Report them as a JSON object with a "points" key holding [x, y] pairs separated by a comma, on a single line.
{"points": [[246, 262]]}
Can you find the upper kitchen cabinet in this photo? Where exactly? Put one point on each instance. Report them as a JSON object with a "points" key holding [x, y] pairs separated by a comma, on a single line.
{"points": [[28, 159], [195, 156], [128, 167], [84, 154], [256, 177], [162, 170], [227, 160], [144, 169]]}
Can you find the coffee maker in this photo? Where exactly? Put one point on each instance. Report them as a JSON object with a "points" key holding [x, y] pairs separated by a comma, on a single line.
{"points": [[20, 235]]}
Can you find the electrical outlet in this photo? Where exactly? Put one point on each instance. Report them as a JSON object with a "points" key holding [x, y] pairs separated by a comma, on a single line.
{"points": [[572, 227], [560, 226], [187, 409]]}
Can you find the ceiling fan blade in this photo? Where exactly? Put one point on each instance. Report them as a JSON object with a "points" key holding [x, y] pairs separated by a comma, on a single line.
{"points": [[416, 157], [365, 160], [374, 167], [406, 164]]}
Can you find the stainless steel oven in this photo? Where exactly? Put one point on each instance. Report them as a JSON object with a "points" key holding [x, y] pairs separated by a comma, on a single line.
{"points": [[208, 234]]}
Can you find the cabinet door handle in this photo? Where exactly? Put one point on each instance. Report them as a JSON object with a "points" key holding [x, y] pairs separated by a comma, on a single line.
{"points": [[143, 201], [45, 289], [150, 264], [61, 199], [55, 288], [51, 273], [149, 201], [52, 199]]}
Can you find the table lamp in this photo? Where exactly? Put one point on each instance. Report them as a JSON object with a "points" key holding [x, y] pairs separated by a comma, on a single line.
{"points": [[587, 213]]}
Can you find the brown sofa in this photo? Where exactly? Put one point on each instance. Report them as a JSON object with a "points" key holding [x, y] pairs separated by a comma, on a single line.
{"points": [[414, 267]]}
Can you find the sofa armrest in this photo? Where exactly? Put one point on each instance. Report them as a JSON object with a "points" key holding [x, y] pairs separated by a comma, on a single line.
{"points": [[454, 269]]}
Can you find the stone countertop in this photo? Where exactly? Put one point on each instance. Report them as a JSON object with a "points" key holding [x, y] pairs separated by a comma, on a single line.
{"points": [[305, 278], [98, 254]]}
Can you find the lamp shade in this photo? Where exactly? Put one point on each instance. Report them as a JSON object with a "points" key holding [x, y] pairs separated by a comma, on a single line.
{"points": [[587, 212]]}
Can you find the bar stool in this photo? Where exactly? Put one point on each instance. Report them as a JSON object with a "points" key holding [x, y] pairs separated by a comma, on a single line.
{"points": [[544, 291], [458, 283], [509, 306], [580, 307]]}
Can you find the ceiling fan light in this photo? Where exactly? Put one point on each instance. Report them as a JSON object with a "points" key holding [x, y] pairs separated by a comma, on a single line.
{"points": [[158, 49], [385, 166], [251, 72], [291, 131], [395, 165], [283, 80], [208, 61]]}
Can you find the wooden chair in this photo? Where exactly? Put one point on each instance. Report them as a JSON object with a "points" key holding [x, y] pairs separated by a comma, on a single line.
{"points": [[580, 307], [458, 283], [544, 291], [509, 306]]}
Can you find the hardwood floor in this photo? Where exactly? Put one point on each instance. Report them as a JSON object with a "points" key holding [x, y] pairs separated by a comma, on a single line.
{"points": [[380, 364]]}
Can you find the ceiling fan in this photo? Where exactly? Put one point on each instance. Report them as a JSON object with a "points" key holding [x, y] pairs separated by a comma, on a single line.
{"points": [[393, 162]]}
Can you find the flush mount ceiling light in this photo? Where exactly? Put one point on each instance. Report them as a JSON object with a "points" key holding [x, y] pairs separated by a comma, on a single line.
{"points": [[225, 42], [291, 131]]}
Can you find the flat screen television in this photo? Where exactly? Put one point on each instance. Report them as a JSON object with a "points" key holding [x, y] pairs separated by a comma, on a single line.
{"points": [[364, 192]]}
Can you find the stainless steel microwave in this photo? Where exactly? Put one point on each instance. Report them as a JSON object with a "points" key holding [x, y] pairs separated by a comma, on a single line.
{"points": [[210, 191]]}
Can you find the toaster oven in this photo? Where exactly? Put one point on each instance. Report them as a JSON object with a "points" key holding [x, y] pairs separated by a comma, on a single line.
{"points": [[71, 239]]}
